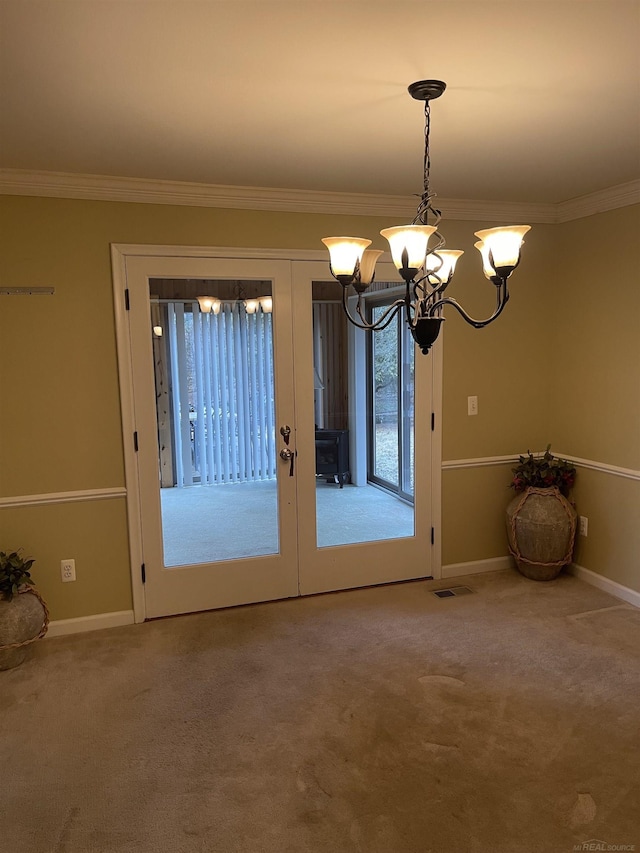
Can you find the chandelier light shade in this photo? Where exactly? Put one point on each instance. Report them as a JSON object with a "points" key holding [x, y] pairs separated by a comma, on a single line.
{"points": [[441, 266], [503, 246], [368, 266], [346, 254], [487, 268], [419, 254], [209, 305], [408, 244]]}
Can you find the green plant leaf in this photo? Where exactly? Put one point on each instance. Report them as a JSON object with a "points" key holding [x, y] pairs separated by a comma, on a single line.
{"points": [[14, 571]]}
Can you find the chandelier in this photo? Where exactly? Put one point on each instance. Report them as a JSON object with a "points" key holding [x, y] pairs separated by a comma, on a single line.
{"points": [[426, 270]]}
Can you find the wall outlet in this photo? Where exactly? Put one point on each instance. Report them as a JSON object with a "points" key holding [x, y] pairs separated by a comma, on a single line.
{"points": [[472, 405], [67, 570], [583, 528]]}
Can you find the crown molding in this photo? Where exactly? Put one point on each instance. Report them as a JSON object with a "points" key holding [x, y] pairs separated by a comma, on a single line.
{"points": [[105, 188], [622, 195]]}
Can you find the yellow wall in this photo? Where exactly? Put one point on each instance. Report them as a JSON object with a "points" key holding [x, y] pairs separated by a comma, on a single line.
{"points": [[596, 338], [567, 373], [596, 382], [497, 363], [94, 534], [612, 505], [60, 414]]}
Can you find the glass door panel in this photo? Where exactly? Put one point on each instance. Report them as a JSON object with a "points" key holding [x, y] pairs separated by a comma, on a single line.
{"points": [[391, 378], [407, 412], [215, 404], [352, 532], [350, 508], [384, 392]]}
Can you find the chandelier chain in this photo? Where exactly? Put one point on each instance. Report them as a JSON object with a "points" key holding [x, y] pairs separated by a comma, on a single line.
{"points": [[427, 155], [425, 208]]}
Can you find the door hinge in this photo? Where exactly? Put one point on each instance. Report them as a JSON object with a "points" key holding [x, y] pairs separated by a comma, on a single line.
{"points": [[143, 572], [135, 441], [126, 299], [433, 421], [433, 536]]}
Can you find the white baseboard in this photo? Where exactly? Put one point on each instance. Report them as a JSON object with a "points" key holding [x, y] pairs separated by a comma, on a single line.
{"points": [[60, 627], [474, 567], [605, 584]]}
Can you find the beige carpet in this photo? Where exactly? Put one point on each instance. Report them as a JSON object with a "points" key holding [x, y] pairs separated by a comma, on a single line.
{"points": [[377, 721]]}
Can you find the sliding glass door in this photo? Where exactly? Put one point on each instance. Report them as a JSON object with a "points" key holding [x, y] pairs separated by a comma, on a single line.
{"points": [[391, 367]]}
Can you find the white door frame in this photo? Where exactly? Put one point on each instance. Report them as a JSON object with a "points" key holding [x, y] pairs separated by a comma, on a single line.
{"points": [[119, 254]]}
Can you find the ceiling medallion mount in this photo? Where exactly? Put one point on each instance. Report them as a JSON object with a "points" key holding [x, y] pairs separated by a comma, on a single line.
{"points": [[426, 269], [427, 90]]}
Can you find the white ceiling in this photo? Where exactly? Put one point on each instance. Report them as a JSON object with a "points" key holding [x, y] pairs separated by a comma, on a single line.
{"points": [[542, 100]]}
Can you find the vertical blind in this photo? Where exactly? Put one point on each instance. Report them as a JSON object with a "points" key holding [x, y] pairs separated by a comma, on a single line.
{"points": [[223, 394]]}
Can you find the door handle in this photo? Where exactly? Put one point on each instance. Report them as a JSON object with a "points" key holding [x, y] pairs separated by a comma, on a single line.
{"points": [[285, 432], [287, 455]]}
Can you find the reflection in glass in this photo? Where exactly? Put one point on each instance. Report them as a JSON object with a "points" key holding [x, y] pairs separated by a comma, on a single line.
{"points": [[216, 419], [353, 503]]}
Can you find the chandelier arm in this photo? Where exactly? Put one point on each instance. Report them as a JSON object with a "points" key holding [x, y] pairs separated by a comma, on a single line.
{"points": [[387, 316], [410, 318], [433, 250], [424, 209], [419, 293], [435, 288], [380, 324], [503, 298], [440, 237]]}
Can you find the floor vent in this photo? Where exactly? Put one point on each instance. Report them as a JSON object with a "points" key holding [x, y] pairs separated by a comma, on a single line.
{"points": [[453, 591]]}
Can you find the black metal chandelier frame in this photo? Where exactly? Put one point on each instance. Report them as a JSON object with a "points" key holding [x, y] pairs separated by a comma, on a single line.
{"points": [[424, 297]]}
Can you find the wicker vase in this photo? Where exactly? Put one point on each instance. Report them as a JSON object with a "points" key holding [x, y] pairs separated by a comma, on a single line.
{"points": [[541, 528], [22, 619]]}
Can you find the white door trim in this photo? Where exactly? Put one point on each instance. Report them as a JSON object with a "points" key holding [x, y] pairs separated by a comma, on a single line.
{"points": [[436, 356], [119, 254]]}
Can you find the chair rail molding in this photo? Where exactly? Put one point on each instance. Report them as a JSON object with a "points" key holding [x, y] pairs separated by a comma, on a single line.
{"points": [[488, 461], [63, 497]]}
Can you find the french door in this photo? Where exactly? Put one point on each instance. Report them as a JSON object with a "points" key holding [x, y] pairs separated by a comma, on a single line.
{"points": [[379, 538], [242, 419]]}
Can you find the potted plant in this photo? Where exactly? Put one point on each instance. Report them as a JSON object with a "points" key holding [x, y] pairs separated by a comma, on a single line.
{"points": [[541, 522], [23, 614]]}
